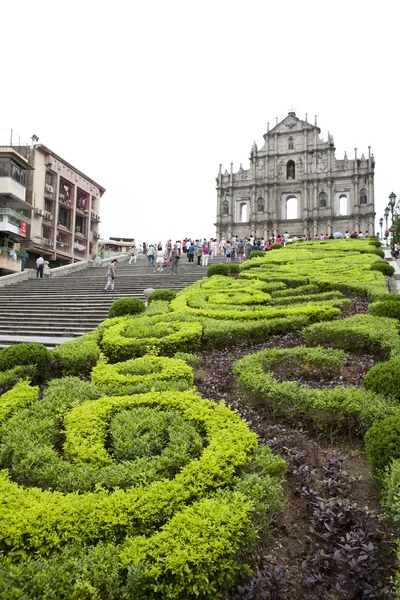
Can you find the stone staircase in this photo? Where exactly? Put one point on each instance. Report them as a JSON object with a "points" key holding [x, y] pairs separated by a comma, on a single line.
{"points": [[58, 309]]}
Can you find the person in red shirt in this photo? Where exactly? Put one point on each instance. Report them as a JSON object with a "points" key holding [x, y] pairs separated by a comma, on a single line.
{"points": [[278, 239]]}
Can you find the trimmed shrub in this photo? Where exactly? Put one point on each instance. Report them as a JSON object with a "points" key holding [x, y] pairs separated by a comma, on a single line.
{"points": [[389, 308], [27, 353], [137, 337], [158, 307], [166, 295], [126, 306], [169, 537], [382, 443], [255, 254], [339, 409], [384, 379], [77, 357], [360, 334], [140, 375], [226, 269], [11, 377], [383, 267], [276, 247], [20, 395], [190, 359]]}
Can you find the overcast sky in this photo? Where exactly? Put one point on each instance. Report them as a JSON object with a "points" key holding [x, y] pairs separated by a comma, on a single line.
{"points": [[147, 98]]}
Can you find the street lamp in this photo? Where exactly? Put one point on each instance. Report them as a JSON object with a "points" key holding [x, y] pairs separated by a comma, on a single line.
{"points": [[386, 213], [381, 225], [391, 205]]}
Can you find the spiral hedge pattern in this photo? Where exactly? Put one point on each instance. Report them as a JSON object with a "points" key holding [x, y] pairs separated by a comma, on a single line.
{"points": [[132, 478]]}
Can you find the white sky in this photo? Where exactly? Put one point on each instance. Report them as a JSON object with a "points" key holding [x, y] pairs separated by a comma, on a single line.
{"points": [[147, 98]]}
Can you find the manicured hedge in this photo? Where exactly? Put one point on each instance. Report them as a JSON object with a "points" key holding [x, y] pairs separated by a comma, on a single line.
{"points": [[388, 308], [226, 269], [383, 267], [11, 377], [145, 374], [126, 306], [77, 357], [334, 409], [382, 443], [178, 536], [360, 333], [164, 295], [384, 379], [137, 337], [28, 353]]}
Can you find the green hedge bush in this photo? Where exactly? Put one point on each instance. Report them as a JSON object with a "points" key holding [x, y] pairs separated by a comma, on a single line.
{"points": [[11, 377], [226, 269], [255, 254], [360, 334], [140, 375], [382, 443], [165, 295], [151, 540], [19, 396], [126, 306], [339, 409], [384, 379], [388, 308], [77, 357], [27, 353], [383, 267], [137, 337]]}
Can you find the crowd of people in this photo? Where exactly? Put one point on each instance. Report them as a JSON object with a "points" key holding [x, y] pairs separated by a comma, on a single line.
{"points": [[200, 251]]}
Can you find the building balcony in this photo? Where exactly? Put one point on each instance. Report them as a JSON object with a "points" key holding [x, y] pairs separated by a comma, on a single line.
{"points": [[13, 222], [80, 235], [14, 192], [61, 247], [64, 227], [64, 201]]}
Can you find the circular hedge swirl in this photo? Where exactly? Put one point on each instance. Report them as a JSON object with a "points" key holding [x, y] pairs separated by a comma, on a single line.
{"points": [[173, 535], [335, 409], [145, 374], [132, 338]]}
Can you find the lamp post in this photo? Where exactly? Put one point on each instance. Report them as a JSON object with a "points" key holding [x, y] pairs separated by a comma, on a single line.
{"points": [[391, 205], [381, 225], [386, 213]]}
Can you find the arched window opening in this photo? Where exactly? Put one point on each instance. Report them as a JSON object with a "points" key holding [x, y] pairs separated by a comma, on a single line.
{"points": [[290, 170], [260, 205], [323, 198], [363, 196], [291, 146], [343, 210], [243, 213], [291, 207], [225, 207]]}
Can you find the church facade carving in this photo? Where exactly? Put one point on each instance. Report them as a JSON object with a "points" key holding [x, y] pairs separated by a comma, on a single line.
{"points": [[296, 184]]}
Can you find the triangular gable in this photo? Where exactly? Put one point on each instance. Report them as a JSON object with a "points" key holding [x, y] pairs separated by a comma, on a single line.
{"points": [[291, 123]]}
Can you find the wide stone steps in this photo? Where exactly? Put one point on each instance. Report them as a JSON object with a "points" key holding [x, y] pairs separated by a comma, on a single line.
{"points": [[58, 309]]}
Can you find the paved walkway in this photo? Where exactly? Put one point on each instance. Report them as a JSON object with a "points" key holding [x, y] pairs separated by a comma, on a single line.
{"points": [[47, 341]]}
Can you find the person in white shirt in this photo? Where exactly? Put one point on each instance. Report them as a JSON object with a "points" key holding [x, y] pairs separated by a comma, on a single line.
{"points": [[39, 267]]}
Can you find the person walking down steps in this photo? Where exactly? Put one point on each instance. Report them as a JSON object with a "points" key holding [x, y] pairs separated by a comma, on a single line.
{"points": [[111, 274]]}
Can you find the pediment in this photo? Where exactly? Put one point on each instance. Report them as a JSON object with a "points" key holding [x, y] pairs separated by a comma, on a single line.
{"points": [[290, 124]]}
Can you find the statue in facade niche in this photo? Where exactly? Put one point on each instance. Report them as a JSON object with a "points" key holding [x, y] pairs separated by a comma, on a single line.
{"points": [[225, 208], [260, 205]]}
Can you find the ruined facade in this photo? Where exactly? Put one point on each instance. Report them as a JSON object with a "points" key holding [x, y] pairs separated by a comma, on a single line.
{"points": [[296, 184]]}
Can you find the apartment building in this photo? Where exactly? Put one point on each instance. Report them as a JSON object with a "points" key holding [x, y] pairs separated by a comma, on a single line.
{"points": [[15, 211], [66, 209]]}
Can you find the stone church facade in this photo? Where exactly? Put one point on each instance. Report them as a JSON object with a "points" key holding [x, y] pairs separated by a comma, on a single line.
{"points": [[296, 174]]}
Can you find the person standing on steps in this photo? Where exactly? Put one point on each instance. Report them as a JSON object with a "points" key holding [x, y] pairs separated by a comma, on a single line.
{"points": [[150, 255], [190, 252], [175, 256], [111, 274], [39, 267]]}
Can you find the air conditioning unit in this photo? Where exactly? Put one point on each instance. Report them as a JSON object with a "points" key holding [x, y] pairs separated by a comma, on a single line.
{"points": [[50, 216], [38, 212], [49, 188], [98, 217]]}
